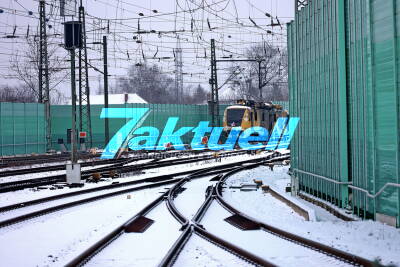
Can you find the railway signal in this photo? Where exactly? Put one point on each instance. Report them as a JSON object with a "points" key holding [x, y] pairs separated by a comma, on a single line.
{"points": [[73, 40]]}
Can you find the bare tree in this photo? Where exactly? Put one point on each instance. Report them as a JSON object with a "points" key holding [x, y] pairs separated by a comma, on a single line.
{"points": [[25, 67], [245, 79], [17, 94], [154, 86]]}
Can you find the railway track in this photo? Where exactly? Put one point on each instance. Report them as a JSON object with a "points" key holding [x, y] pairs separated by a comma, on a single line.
{"points": [[296, 239], [139, 223], [58, 167], [215, 193], [131, 156], [193, 226], [115, 189], [7, 162], [117, 168]]}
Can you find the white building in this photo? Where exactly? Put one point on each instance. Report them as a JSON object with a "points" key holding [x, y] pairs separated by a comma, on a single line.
{"points": [[115, 99]]}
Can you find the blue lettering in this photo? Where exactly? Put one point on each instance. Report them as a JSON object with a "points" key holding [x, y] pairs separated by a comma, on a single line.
{"points": [[169, 136]]}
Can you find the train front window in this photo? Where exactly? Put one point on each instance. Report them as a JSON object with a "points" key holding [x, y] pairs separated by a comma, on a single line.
{"points": [[234, 117]]}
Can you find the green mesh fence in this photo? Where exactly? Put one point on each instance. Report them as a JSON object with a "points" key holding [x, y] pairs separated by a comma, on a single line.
{"points": [[22, 128], [23, 125], [189, 115], [369, 49]]}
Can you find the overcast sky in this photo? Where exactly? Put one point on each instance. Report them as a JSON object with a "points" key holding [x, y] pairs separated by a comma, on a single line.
{"points": [[229, 20]]}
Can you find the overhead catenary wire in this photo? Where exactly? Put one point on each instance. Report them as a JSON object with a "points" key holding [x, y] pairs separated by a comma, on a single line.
{"points": [[234, 33]]}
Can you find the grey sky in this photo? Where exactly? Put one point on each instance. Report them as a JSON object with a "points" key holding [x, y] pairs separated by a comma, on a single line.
{"points": [[234, 34]]}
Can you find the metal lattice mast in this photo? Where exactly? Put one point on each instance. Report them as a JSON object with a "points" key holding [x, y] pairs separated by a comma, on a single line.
{"points": [[214, 87], [44, 89], [299, 4], [85, 124], [178, 72]]}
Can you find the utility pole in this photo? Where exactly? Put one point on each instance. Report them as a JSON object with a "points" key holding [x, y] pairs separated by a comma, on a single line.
{"points": [[214, 102], [74, 158], [44, 71], [259, 79], [261, 76], [85, 123], [73, 40], [178, 72], [105, 71]]}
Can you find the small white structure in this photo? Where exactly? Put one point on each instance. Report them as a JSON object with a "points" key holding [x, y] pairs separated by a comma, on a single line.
{"points": [[74, 173], [116, 99]]}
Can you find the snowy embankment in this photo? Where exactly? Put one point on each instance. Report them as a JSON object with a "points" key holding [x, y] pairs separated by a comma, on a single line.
{"points": [[369, 239]]}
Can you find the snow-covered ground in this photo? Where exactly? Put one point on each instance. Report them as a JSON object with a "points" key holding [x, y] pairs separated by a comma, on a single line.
{"points": [[274, 249], [20, 177], [261, 243], [15, 178], [56, 238], [142, 249], [199, 252], [10, 198], [368, 239], [189, 201], [48, 204]]}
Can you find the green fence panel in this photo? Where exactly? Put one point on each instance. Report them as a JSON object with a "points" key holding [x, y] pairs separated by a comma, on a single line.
{"points": [[22, 128], [349, 120], [189, 116]]}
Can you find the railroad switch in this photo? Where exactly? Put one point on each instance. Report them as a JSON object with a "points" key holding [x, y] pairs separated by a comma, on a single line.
{"points": [[265, 188], [258, 182]]}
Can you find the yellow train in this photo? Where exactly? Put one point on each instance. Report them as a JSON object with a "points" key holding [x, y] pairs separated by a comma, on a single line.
{"points": [[248, 113]]}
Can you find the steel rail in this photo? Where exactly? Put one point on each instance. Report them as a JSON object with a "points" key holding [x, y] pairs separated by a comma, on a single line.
{"points": [[86, 255], [39, 159], [152, 179], [124, 160], [30, 183], [71, 204], [344, 256], [46, 158], [58, 167], [193, 173], [195, 227], [157, 181]]}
